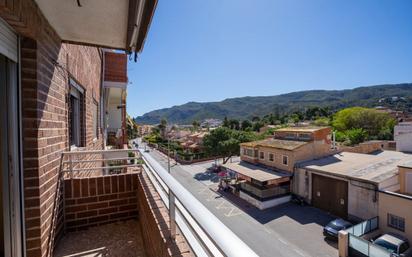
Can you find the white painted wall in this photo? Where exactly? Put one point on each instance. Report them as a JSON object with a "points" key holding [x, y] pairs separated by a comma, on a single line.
{"points": [[362, 200], [114, 117], [403, 136]]}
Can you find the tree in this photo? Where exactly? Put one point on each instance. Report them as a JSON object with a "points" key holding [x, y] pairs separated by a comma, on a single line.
{"points": [[162, 127], [195, 125], [356, 136], [295, 118], [246, 124], [225, 142], [257, 125], [323, 121], [255, 118], [373, 122], [234, 124], [225, 122]]}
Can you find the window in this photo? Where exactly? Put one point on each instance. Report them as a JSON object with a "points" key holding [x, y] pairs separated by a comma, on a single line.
{"points": [[290, 136], [262, 155], [285, 160], [248, 152], [396, 222], [95, 120], [304, 136], [75, 113], [271, 157]]}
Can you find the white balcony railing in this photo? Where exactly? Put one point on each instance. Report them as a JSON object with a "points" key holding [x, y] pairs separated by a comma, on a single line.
{"points": [[205, 233]]}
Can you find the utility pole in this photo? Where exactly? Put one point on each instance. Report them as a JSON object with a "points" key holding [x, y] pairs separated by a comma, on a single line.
{"points": [[168, 154]]}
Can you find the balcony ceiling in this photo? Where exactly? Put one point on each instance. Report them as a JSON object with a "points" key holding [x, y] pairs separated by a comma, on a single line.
{"points": [[104, 23]]}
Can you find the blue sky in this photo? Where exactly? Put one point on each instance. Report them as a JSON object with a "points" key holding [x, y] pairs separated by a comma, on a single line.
{"points": [[216, 49]]}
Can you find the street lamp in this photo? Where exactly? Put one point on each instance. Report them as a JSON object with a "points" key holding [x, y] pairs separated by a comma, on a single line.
{"points": [[168, 154]]}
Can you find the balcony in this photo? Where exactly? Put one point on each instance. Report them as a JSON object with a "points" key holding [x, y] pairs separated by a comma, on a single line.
{"points": [[109, 204], [115, 91]]}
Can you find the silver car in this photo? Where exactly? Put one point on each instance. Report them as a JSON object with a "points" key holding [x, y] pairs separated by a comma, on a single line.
{"points": [[396, 244]]}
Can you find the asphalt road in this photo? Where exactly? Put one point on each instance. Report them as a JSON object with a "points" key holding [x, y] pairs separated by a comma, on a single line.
{"points": [[286, 230]]}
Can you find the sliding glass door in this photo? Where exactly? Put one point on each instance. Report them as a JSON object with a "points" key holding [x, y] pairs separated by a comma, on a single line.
{"points": [[11, 229]]}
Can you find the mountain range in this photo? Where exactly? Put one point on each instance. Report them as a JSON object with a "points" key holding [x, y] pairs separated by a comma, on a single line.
{"points": [[395, 95]]}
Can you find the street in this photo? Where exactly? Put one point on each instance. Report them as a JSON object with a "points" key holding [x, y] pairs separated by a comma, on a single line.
{"points": [[286, 230]]}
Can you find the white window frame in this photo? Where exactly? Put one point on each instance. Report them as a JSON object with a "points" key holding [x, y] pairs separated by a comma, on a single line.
{"points": [[273, 157], [260, 155], [396, 222]]}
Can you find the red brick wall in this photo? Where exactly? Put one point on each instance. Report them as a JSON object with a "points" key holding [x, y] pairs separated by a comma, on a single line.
{"points": [[115, 67], [100, 200], [154, 222], [45, 67]]}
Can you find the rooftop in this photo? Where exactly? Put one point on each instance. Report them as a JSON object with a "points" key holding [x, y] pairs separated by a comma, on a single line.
{"points": [[276, 143], [406, 165], [374, 168], [256, 172], [302, 129]]}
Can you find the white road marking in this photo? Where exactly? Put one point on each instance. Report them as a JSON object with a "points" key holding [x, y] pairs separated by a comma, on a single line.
{"points": [[283, 241], [299, 252]]}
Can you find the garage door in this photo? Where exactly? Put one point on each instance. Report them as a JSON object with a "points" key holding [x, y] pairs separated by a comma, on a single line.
{"points": [[330, 195]]}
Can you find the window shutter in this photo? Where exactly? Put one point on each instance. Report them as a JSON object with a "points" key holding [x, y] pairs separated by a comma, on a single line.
{"points": [[8, 41]]}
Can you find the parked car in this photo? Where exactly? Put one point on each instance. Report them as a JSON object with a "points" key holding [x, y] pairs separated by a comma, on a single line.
{"points": [[394, 243], [215, 168], [332, 229]]}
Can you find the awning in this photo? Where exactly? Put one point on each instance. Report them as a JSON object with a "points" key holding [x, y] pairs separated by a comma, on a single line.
{"points": [[256, 172], [120, 24]]}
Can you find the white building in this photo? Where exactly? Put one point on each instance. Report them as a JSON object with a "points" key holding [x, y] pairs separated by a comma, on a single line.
{"points": [[403, 136]]}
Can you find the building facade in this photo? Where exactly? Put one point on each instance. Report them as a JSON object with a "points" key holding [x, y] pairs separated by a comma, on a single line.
{"points": [[53, 95], [347, 184], [267, 166], [288, 147], [403, 136]]}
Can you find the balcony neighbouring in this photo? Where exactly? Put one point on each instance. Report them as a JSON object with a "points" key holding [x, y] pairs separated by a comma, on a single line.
{"points": [[106, 206]]}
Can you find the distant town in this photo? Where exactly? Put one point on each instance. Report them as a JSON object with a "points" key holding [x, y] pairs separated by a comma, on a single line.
{"points": [[353, 164]]}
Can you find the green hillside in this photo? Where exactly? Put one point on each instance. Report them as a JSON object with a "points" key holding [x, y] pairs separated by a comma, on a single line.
{"points": [[247, 107]]}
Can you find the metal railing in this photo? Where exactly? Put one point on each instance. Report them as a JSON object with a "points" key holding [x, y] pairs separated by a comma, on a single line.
{"points": [[99, 162], [205, 233], [359, 246], [364, 227], [265, 193]]}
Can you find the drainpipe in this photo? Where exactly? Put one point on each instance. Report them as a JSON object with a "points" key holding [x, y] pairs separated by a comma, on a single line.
{"points": [[103, 102]]}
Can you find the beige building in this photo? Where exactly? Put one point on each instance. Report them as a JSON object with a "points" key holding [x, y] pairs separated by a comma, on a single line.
{"points": [[395, 207], [144, 130], [348, 184], [266, 166], [288, 146]]}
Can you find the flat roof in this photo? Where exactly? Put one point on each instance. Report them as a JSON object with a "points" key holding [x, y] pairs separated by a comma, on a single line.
{"points": [[301, 129], [373, 168], [406, 165], [256, 172], [276, 143]]}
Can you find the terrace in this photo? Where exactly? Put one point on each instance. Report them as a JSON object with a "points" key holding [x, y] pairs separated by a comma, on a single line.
{"points": [[112, 205]]}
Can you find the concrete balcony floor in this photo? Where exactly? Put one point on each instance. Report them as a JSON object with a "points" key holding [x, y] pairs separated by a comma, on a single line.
{"points": [[121, 239]]}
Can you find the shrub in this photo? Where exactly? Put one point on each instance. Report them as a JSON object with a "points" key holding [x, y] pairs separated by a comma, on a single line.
{"points": [[356, 136]]}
